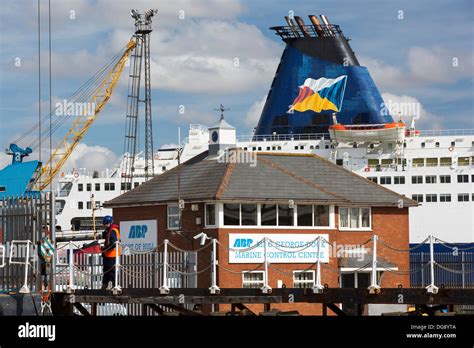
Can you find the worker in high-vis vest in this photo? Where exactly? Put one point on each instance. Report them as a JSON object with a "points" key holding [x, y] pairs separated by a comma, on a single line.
{"points": [[111, 236]]}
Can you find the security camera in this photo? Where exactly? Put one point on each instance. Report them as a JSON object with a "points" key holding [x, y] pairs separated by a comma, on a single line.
{"points": [[203, 237]]}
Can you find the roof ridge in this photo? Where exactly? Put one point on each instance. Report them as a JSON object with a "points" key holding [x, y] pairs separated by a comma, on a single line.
{"points": [[299, 178], [225, 180]]}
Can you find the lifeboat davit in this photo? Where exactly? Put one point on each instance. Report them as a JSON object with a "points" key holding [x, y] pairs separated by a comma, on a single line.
{"points": [[394, 131]]}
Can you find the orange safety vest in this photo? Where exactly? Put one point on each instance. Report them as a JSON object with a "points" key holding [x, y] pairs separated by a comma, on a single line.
{"points": [[111, 252]]}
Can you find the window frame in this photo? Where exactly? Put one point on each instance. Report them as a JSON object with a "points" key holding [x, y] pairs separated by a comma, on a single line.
{"points": [[220, 217], [262, 282], [419, 195], [463, 195], [431, 195], [445, 197], [215, 215], [168, 216], [401, 180], [461, 177], [369, 228], [431, 179], [415, 181], [311, 283], [442, 179]]}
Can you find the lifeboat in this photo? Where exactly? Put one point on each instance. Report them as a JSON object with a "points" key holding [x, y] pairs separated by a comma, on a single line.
{"points": [[394, 131]]}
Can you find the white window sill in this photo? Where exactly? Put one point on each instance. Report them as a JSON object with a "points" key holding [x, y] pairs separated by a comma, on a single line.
{"points": [[209, 226], [279, 227], [365, 229]]}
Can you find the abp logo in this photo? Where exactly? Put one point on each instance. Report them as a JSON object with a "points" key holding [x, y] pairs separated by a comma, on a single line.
{"points": [[137, 231], [242, 242]]}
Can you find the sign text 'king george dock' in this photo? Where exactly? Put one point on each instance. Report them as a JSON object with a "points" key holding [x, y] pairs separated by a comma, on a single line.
{"points": [[281, 248], [139, 234]]}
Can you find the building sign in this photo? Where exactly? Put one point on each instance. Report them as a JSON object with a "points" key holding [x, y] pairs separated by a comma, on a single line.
{"points": [[281, 248], [139, 235]]}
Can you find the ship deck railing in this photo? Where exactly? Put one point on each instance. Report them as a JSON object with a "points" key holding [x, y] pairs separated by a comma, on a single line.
{"points": [[326, 136]]}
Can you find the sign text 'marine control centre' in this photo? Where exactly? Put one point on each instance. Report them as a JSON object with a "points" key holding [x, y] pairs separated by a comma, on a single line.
{"points": [[281, 248]]}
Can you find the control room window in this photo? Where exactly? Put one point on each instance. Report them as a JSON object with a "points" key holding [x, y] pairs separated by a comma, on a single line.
{"points": [[285, 215], [321, 215], [354, 218], [210, 214], [303, 279], [173, 217], [252, 279], [231, 214], [305, 215], [249, 214], [269, 214]]}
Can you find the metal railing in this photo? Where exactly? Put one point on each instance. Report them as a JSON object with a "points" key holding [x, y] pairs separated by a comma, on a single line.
{"points": [[283, 137], [445, 132], [462, 266], [287, 32]]}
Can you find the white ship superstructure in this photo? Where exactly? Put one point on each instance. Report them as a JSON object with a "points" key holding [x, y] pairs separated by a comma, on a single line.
{"points": [[434, 168]]}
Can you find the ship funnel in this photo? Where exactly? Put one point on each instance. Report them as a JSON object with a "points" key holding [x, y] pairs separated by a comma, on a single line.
{"points": [[318, 75], [327, 24], [292, 26], [317, 26], [302, 26]]}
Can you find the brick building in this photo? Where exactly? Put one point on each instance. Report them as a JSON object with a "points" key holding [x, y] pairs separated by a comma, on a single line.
{"points": [[291, 199]]}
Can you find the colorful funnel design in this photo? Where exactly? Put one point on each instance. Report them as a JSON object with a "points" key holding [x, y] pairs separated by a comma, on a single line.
{"points": [[321, 94], [318, 76]]}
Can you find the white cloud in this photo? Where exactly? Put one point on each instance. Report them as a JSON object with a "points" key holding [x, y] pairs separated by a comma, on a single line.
{"points": [[90, 157], [424, 67], [254, 112], [424, 119]]}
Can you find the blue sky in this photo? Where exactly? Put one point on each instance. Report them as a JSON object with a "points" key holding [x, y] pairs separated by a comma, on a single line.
{"points": [[410, 59]]}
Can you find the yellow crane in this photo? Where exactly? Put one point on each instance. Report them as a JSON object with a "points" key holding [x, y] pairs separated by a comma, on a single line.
{"points": [[83, 122]]}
